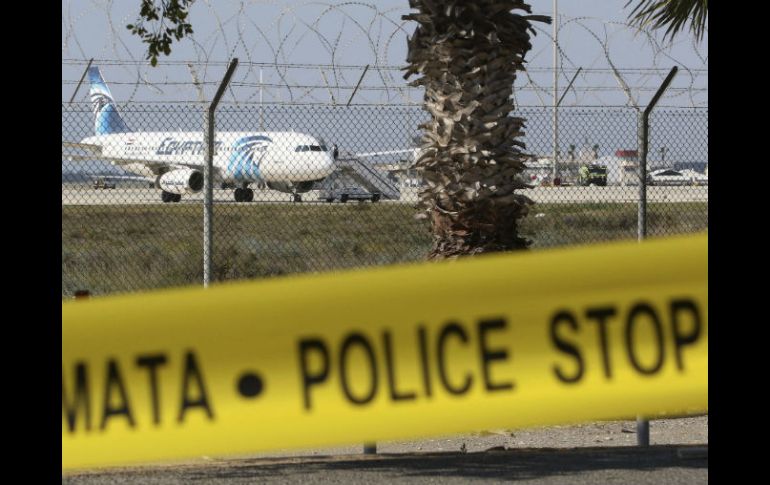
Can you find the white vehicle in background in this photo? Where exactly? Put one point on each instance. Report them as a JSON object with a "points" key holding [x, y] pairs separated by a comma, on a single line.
{"points": [[350, 192], [668, 176], [538, 172], [285, 161]]}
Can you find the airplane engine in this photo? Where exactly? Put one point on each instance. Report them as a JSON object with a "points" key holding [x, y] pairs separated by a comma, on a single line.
{"points": [[181, 181]]}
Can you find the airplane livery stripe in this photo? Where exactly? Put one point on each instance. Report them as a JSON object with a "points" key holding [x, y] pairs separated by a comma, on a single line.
{"points": [[243, 164]]}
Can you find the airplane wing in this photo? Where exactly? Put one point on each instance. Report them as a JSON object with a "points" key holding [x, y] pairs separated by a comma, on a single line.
{"points": [[410, 160], [86, 151], [123, 177], [78, 158], [389, 152], [80, 151], [82, 146]]}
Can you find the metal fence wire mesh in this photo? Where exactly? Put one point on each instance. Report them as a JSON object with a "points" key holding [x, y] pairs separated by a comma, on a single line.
{"points": [[132, 215]]}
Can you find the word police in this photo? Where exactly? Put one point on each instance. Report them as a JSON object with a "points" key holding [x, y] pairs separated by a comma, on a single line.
{"points": [[430, 346]]}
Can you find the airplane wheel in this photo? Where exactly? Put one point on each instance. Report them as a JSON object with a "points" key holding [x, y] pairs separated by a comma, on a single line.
{"points": [[344, 198], [248, 195], [375, 198], [297, 198], [177, 198], [239, 195], [166, 197], [330, 200]]}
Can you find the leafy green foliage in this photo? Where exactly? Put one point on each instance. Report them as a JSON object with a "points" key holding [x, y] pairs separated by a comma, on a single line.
{"points": [[675, 15], [167, 21]]}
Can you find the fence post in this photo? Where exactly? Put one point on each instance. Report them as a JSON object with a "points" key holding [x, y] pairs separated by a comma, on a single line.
{"points": [[85, 71], [566, 90], [555, 119], [357, 85], [369, 448], [643, 129], [208, 174]]}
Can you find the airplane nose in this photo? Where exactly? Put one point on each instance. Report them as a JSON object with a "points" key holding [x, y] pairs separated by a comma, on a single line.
{"points": [[322, 165]]}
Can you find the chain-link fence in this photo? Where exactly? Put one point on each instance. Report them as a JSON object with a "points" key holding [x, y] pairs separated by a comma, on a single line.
{"points": [[318, 188]]}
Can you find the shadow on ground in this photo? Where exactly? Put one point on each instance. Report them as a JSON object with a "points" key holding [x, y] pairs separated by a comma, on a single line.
{"points": [[512, 464]]}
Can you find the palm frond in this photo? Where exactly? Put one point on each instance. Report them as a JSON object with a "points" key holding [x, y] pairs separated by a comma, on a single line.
{"points": [[675, 15]]}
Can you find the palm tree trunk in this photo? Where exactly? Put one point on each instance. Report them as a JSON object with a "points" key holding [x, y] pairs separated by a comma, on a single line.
{"points": [[467, 53]]}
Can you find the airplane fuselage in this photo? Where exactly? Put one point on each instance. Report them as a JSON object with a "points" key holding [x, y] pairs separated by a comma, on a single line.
{"points": [[239, 157]]}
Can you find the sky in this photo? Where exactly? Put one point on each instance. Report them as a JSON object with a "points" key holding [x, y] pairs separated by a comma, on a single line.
{"points": [[314, 52]]}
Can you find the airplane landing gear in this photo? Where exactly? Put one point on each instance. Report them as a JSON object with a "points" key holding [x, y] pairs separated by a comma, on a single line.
{"points": [[243, 195], [297, 198], [169, 197]]}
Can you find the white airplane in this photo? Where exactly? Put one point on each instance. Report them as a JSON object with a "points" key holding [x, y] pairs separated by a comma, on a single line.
{"points": [[285, 161]]}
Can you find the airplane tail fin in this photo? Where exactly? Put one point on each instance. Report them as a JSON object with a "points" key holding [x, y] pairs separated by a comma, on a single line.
{"points": [[107, 119]]}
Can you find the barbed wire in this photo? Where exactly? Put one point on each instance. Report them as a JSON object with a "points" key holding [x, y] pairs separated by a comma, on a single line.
{"points": [[119, 62], [315, 52], [381, 88]]}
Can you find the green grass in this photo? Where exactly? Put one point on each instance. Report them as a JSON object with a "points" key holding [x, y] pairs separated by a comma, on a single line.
{"points": [[567, 224], [108, 249]]}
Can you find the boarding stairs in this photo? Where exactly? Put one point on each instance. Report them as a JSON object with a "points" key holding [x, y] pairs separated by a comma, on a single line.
{"points": [[368, 177]]}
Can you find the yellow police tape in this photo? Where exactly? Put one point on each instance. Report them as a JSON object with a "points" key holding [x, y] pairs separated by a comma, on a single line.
{"points": [[601, 332]]}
